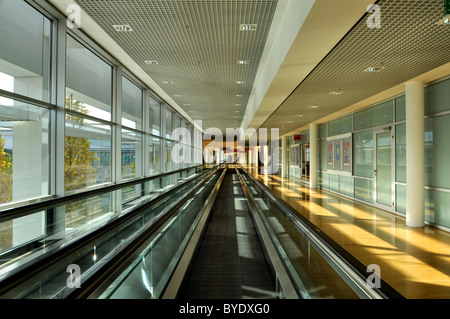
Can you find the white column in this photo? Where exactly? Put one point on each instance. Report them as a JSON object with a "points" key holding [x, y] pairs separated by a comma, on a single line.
{"points": [[313, 155], [284, 160], [415, 154]]}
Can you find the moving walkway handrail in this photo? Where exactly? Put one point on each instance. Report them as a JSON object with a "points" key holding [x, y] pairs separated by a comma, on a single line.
{"points": [[67, 249], [113, 267], [342, 261], [281, 272]]}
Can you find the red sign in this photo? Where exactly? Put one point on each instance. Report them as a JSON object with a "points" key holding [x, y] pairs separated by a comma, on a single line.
{"points": [[297, 138]]}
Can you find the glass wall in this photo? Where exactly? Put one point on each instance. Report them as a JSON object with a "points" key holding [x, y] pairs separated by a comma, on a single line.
{"points": [[25, 55], [379, 165], [89, 141]]}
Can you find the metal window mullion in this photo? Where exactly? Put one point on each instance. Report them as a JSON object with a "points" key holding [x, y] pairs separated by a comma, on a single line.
{"points": [[163, 138], [116, 143], [146, 137], [56, 217]]}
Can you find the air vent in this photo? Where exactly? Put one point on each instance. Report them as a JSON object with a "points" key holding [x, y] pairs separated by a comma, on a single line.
{"points": [[122, 28], [248, 27]]}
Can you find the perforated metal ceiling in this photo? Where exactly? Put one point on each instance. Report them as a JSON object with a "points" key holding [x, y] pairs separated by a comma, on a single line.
{"points": [[197, 45], [409, 43]]}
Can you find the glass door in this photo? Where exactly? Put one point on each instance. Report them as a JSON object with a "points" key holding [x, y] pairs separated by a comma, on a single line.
{"points": [[305, 162], [383, 175]]}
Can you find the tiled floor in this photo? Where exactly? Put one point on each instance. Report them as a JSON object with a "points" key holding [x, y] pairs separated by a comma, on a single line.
{"points": [[414, 261]]}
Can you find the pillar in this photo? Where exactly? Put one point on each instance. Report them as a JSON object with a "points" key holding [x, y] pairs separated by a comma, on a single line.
{"points": [[314, 155], [415, 154]]}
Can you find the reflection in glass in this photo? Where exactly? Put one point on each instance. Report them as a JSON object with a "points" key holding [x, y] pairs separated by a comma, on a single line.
{"points": [[88, 81], [25, 65], [131, 154], [87, 153], [131, 105], [155, 117], [384, 169]]}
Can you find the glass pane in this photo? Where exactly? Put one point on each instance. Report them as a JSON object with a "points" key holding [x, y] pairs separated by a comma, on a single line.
{"points": [[436, 207], [346, 185], [340, 126], [364, 189], [131, 154], [155, 156], [89, 82], [155, 117], [169, 124], [437, 151], [334, 183], [363, 154], [374, 116], [25, 55], [384, 172], [400, 198], [323, 130], [437, 97], [87, 153], [24, 152], [131, 105], [400, 153], [169, 162], [400, 108]]}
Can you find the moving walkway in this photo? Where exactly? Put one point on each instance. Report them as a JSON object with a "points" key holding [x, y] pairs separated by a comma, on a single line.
{"points": [[217, 233]]}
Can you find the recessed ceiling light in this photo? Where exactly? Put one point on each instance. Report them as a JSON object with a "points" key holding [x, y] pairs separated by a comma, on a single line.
{"points": [[238, 104], [122, 28], [151, 62], [240, 82], [244, 62], [179, 95], [248, 27], [186, 105], [374, 69], [444, 20], [239, 95], [300, 115], [313, 107], [337, 92], [167, 82]]}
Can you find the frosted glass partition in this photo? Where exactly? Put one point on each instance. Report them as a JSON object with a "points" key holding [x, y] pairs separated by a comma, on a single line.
{"points": [[363, 154], [340, 126], [384, 169], [400, 153], [364, 189], [400, 198], [400, 108], [437, 97], [25, 54], [436, 207], [437, 151], [375, 116], [323, 130]]}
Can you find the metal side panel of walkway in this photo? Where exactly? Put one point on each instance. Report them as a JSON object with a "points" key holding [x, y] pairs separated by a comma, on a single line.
{"points": [[230, 263]]}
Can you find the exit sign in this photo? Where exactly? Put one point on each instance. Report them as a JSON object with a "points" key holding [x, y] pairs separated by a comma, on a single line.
{"points": [[447, 7]]}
